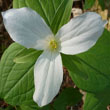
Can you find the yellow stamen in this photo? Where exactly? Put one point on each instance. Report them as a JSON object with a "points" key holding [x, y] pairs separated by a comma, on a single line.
{"points": [[53, 44]]}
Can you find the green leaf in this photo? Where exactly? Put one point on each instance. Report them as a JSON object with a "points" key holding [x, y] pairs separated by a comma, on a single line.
{"points": [[90, 70], [27, 56], [68, 97], [18, 108], [16, 80], [101, 99], [55, 12], [47, 107], [98, 101], [102, 4], [89, 3], [28, 107]]}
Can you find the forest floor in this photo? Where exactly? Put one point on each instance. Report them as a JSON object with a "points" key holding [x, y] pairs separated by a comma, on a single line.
{"points": [[5, 40]]}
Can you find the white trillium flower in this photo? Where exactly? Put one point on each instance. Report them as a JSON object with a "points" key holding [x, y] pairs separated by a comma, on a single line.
{"points": [[28, 28]]}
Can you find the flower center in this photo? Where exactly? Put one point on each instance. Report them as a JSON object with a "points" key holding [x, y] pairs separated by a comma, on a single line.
{"points": [[53, 44]]}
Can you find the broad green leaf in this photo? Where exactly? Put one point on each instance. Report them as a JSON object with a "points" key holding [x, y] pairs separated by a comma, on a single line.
{"points": [[47, 107], [27, 56], [89, 3], [16, 80], [90, 70], [55, 12], [98, 101], [22, 107], [68, 97], [30, 107]]}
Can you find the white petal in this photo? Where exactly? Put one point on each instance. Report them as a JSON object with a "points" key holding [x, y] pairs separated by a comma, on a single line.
{"points": [[48, 76], [81, 33], [26, 27]]}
